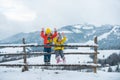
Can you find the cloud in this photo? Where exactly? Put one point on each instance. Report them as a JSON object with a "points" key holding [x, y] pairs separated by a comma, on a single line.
{"points": [[15, 17], [31, 15], [63, 12], [15, 10]]}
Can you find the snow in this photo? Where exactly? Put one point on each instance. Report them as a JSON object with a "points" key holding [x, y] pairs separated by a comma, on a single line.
{"points": [[18, 44], [105, 35], [78, 26], [11, 50], [106, 53], [12, 44], [67, 31], [38, 74], [77, 31], [70, 59], [93, 31], [106, 68], [88, 27], [117, 30], [85, 26], [80, 49], [90, 42], [88, 34]]}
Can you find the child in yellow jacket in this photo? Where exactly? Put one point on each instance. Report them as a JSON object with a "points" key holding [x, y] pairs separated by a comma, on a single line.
{"points": [[59, 49]]}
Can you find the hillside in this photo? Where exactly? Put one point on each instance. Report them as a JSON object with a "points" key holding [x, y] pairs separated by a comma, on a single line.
{"points": [[108, 35]]}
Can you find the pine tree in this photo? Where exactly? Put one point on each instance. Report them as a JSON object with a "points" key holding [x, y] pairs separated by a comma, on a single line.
{"points": [[117, 68], [110, 69]]}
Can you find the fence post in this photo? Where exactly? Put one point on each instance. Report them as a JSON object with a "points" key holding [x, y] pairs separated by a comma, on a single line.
{"points": [[95, 54], [25, 68]]}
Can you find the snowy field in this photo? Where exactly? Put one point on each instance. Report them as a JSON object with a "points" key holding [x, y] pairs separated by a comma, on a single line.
{"points": [[39, 74]]}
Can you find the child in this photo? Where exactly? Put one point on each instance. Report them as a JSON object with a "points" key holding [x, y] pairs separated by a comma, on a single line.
{"points": [[48, 39], [59, 49]]}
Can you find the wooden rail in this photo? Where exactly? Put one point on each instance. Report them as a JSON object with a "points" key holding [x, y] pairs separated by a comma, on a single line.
{"points": [[80, 65], [24, 45], [28, 45], [42, 53]]}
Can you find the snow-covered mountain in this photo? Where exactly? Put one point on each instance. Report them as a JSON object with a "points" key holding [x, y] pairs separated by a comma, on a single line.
{"points": [[108, 35]]}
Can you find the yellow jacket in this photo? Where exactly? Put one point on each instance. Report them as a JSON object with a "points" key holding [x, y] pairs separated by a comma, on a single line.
{"points": [[59, 43]]}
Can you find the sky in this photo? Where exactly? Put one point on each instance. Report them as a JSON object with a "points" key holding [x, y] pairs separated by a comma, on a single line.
{"points": [[31, 15]]}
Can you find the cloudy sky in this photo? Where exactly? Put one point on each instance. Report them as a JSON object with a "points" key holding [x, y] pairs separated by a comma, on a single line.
{"points": [[31, 15]]}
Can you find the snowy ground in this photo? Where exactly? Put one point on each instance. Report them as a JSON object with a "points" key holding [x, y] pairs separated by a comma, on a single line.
{"points": [[38, 74]]}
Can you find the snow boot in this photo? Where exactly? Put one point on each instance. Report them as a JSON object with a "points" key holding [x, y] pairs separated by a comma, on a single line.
{"points": [[64, 61], [58, 60], [48, 63]]}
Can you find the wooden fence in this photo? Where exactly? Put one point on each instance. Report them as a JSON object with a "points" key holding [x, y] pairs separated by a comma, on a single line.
{"points": [[25, 65]]}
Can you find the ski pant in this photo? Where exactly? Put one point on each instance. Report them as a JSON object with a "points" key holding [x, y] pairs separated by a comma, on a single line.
{"points": [[47, 56], [59, 53]]}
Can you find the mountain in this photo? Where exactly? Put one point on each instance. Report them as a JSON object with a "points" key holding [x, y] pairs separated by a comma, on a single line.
{"points": [[32, 37], [108, 35]]}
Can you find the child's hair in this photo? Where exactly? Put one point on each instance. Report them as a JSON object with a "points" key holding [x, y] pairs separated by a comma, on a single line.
{"points": [[59, 36]]}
